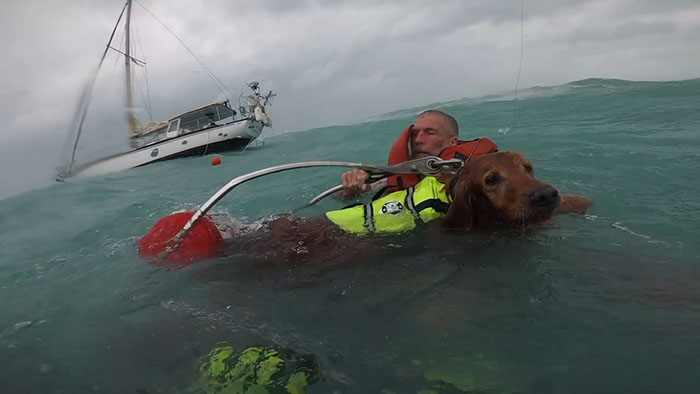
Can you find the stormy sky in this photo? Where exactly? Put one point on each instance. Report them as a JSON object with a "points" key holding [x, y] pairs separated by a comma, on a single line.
{"points": [[331, 62]]}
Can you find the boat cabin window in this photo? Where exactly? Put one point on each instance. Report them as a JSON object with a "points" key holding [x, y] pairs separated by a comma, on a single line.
{"points": [[225, 112], [203, 118], [174, 125]]}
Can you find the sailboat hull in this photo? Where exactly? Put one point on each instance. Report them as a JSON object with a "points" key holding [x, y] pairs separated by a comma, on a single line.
{"points": [[222, 138]]}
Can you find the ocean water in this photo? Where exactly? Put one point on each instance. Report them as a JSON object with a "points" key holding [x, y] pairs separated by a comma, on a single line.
{"points": [[608, 302]]}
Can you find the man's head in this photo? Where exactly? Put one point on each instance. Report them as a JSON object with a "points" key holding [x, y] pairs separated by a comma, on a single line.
{"points": [[433, 132]]}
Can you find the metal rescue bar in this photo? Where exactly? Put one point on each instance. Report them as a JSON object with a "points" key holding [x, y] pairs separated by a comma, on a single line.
{"points": [[430, 165]]}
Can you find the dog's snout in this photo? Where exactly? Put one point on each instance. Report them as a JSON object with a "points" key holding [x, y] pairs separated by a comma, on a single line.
{"points": [[544, 197]]}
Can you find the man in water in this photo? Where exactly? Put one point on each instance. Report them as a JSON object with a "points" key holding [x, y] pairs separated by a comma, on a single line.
{"points": [[433, 132]]}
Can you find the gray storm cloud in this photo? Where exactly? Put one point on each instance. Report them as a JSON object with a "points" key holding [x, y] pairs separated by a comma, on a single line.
{"points": [[331, 62]]}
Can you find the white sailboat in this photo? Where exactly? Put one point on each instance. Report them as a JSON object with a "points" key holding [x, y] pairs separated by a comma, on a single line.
{"points": [[215, 127]]}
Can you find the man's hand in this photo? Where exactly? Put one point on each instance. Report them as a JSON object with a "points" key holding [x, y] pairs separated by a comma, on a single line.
{"points": [[355, 183], [570, 203]]}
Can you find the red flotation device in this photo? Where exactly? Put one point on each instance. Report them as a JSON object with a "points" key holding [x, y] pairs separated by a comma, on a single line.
{"points": [[401, 152], [202, 242]]}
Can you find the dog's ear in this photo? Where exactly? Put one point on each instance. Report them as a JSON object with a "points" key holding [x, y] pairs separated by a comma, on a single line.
{"points": [[461, 212]]}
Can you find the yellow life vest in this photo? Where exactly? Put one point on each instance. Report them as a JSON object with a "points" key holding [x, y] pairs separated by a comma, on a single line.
{"points": [[396, 212]]}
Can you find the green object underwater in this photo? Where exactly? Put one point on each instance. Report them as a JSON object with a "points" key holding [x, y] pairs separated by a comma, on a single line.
{"points": [[255, 370]]}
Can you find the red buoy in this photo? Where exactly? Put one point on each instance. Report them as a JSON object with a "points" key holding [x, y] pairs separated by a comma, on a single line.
{"points": [[216, 161], [202, 242]]}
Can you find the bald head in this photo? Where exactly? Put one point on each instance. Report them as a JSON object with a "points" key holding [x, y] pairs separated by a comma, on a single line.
{"points": [[433, 132], [451, 126]]}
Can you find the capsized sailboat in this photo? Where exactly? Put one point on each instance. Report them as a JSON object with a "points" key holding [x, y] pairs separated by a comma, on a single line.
{"points": [[215, 127]]}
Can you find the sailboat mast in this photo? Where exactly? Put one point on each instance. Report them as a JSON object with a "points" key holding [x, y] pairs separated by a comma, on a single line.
{"points": [[127, 62]]}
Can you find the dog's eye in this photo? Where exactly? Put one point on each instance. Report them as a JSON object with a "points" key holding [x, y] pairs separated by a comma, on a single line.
{"points": [[492, 179], [528, 168]]}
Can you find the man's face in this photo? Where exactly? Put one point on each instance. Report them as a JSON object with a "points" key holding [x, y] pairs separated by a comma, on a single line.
{"points": [[429, 136]]}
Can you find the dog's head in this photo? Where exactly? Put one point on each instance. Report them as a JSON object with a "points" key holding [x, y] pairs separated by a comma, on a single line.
{"points": [[499, 189]]}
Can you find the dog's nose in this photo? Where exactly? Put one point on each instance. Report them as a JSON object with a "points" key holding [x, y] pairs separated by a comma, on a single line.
{"points": [[544, 197]]}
